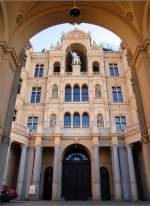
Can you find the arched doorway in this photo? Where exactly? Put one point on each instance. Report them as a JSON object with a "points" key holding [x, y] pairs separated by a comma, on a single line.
{"points": [[105, 184], [76, 174], [48, 177]]}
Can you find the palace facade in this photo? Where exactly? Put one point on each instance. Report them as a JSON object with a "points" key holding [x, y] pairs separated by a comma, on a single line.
{"points": [[76, 134]]}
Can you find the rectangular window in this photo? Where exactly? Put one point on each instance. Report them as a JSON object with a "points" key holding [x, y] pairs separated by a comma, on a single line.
{"points": [[32, 123], [36, 95], [117, 94], [39, 70], [120, 122], [113, 68]]}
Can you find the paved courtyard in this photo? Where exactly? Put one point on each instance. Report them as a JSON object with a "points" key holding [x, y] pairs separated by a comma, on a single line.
{"points": [[75, 203]]}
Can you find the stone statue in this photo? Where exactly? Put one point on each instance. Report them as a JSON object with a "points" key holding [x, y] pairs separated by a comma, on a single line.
{"points": [[53, 121], [55, 91], [97, 91], [75, 58], [100, 120]]}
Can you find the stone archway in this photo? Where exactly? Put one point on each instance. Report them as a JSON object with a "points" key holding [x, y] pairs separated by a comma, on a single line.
{"points": [[76, 173], [21, 20]]}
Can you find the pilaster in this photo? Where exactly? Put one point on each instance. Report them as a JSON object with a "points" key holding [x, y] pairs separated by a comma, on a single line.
{"points": [[37, 168], [96, 170], [56, 187], [20, 181], [116, 173], [134, 192]]}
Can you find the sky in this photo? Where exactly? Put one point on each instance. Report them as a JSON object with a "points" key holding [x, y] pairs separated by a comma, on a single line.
{"points": [[51, 35]]}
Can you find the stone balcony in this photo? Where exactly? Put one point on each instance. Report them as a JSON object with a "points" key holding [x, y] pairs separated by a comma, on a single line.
{"points": [[72, 132], [131, 132], [20, 133]]}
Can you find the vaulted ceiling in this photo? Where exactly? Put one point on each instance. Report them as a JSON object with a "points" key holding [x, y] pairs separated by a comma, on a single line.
{"points": [[26, 18]]}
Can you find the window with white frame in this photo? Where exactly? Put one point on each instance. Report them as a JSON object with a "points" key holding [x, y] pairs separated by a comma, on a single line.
{"points": [[120, 122], [113, 68], [32, 123], [117, 94], [39, 68], [36, 95]]}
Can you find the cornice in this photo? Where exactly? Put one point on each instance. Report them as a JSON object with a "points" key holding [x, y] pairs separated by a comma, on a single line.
{"points": [[140, 49], [11, 51]]}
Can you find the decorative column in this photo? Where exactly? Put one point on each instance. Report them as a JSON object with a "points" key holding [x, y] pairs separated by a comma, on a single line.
{"points": [[29, 170], [96, 170], [37, 170], [124, 169], [116, 173], [4, 182], [134, 192], [56, 188], [20, 181]]}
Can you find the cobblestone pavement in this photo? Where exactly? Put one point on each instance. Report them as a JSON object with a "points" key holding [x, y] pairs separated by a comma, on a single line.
{"points": [[75, 203]]}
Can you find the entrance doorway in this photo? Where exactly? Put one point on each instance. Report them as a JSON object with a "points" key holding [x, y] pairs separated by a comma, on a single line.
{"points": [[48, 177], [76, 174], [105, 184]]}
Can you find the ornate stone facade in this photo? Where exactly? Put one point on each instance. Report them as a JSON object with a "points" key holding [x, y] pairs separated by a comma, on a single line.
{"points": [[84, 92]]}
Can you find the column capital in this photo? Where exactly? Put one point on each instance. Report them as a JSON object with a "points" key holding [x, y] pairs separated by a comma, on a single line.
{"points": [[140, 51], [38, 140], [57, 139], [9, 51], [95, 140]]}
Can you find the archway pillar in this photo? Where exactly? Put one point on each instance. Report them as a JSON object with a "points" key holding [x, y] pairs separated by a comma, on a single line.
{"points": [[5, 175], [146, 155], [20, 181], [56, 187], [140, 68], [96, 170], [9, 79]]}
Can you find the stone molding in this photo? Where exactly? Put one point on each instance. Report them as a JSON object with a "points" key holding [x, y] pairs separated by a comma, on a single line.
{"points": [[139, 50], [9, 50]]}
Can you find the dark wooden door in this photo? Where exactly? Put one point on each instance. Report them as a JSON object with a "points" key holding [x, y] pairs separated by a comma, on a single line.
{"points": [[48, 177], [76, 180], [105, 185]]}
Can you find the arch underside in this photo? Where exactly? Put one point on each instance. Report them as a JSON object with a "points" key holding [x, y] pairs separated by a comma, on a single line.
{"points": [[33, 17]]}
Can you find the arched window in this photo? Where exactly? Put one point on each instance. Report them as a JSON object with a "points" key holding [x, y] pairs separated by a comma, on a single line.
{"points": [[100, 120], [53, 120], [55, 91], [76, 120], [67, 120], [95, 67], [68, 93], [97, 90], [85, 120], [76, 93], [56, 67], [85, 96]]}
